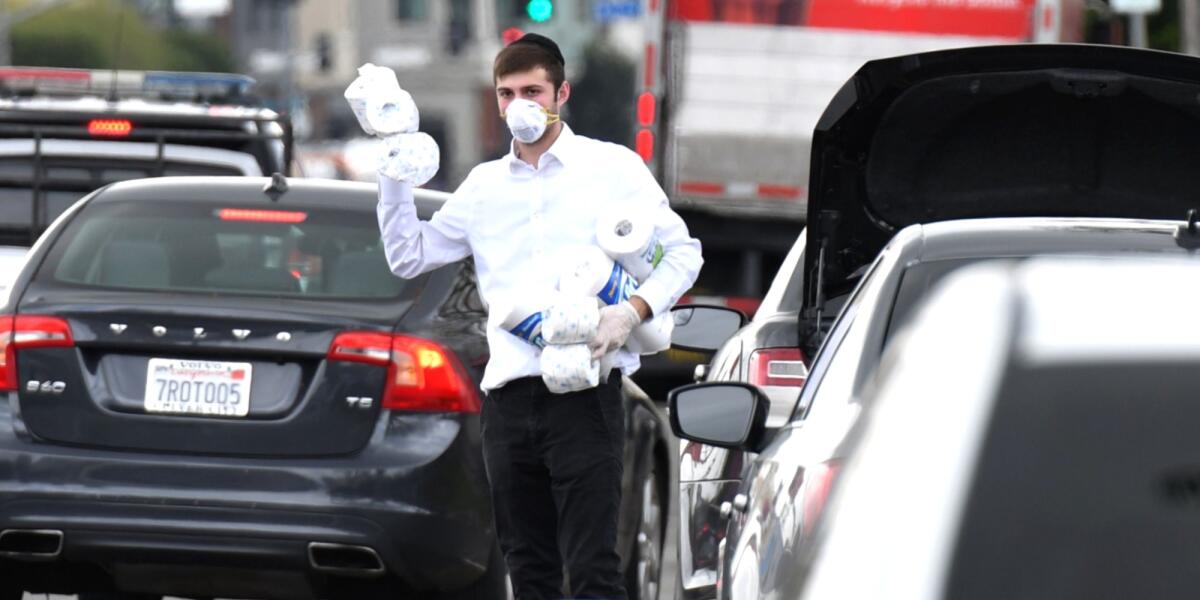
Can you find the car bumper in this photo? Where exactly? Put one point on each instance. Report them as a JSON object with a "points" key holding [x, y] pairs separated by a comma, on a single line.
{"points": [[416, 496]]}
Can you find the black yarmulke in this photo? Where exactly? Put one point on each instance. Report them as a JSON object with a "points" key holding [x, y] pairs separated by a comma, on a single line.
{"points": [[545, 43]]}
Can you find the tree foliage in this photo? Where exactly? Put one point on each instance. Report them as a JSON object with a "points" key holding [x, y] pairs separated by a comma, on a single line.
{"points": [[105, 34]]}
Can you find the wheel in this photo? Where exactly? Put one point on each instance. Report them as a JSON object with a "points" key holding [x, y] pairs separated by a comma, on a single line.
{"points": [[645, 566], [11, 593]]}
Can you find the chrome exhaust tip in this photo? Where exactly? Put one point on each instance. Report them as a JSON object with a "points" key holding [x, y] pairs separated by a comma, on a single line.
{"points": [[31, 544], [345, 559]]}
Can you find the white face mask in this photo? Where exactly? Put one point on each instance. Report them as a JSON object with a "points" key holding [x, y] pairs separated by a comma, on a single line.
{"points": [[527, 120]]}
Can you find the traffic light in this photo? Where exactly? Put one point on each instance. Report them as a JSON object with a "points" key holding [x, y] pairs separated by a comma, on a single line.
{"points": [[539, 11]]}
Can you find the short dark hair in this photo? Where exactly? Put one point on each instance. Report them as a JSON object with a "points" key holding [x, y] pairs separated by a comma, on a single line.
{"points": [[519, 57]]}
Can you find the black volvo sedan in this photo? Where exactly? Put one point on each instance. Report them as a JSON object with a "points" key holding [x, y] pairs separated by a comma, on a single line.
{"points": [[216, 388]]}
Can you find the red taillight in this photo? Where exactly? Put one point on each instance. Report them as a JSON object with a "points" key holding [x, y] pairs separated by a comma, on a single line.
{"points": [[422, 375], [818, 481], [645, 109], [28, 331], [261, 215], [778, 366], [110, 127], [644, 143]]}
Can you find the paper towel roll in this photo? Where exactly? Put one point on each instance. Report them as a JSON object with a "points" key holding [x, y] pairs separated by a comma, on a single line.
{"points": [[569, 368], [381, 106], [411, 157], [522, 319], [588, 271], [571, 319], [628, 238], [652, 336]]}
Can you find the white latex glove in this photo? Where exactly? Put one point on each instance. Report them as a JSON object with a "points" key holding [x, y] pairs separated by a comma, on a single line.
{"points": [[616, 322]]}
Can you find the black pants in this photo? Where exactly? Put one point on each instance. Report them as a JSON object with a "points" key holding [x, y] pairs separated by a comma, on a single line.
{"points": [[554, 465]]}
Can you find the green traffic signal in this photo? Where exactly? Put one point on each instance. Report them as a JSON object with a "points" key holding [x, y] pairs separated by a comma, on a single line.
{"points": [[540, 11]]}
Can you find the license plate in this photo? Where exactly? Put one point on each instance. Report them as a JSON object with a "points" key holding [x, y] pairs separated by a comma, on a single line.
{"points": [[198, 387]]}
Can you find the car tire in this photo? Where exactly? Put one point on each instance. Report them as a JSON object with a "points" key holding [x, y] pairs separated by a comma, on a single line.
{"points": [[11, 593], [642, 577]]}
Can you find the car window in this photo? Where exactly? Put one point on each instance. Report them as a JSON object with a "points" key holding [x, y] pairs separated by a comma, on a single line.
{"points": [[67, 179], [787, 289], [915, 285], [201, 247], [835, 365]]}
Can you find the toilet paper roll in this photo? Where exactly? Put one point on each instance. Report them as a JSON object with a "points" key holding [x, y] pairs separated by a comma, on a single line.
{"points": [[392, 114], [522, 319], [652, 336], [588, 271], [411, 157], [571, 319], [628, 238], [381, 106], [569, 368]]}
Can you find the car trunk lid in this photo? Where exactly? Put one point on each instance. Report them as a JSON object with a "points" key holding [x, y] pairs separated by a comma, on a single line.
{"points": [[245, 380], [1005, 131]]}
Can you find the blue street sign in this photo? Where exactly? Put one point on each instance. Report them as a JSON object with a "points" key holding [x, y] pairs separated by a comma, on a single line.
{"points": [[610, 10]]}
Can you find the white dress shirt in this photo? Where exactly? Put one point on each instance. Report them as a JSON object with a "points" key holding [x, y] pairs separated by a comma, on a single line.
{"points": [[518, 222]]}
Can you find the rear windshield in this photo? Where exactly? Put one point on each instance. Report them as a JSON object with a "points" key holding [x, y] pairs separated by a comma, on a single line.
{"points": [[62, 181], [226, 249]]}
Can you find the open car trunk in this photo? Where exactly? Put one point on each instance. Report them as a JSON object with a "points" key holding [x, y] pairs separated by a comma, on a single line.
{"points": [[1004, 131]]}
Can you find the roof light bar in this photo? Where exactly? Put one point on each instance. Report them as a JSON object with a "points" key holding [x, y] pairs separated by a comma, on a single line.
{"points": [[97, 80]]}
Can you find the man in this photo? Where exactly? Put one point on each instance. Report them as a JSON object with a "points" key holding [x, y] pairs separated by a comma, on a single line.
{"points": [[553, 460]]}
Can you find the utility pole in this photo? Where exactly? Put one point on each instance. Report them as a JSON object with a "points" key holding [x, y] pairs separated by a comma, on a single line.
{"points": [[1189, 25], [10, 17], [1137, 11], [1138, 35]]}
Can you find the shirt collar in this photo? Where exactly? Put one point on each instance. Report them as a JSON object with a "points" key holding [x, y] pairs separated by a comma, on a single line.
{"points": [[563, 149]]}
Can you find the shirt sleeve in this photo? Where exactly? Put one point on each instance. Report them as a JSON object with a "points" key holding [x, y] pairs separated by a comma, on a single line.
{"points": [[414, 246], [681, 261]]}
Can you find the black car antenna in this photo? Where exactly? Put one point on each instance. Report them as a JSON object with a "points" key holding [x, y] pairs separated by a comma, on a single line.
{"points": [[1188, 234], [276, 187]]}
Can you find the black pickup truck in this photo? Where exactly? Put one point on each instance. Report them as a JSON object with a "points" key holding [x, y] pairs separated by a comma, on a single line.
{"points": [[66, 132]]}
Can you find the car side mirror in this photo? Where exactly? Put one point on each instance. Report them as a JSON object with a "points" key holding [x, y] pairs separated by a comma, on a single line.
{"points": [[704, 328], [726, 414]]}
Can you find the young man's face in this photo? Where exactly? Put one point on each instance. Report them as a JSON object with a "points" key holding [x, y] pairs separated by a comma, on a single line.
{"points": [[532, 85]]}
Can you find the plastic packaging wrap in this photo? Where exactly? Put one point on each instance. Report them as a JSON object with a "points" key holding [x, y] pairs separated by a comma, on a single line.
{"points": [[411, 157], [522, 319], [628, 238], [588, 271], [571, 319], [569, 368], [381, 106]]}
